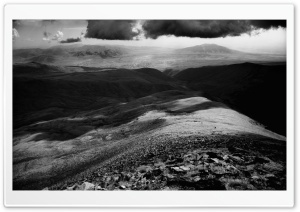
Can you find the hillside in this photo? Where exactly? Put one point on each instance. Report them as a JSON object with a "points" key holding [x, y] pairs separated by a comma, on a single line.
{"points": [[87, 127], [136, 138], [252, 89], [43, 92]]}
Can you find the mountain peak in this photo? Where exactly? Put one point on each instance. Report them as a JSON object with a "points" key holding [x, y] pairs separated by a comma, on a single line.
{"points": [[208, 49], [209, 45]]}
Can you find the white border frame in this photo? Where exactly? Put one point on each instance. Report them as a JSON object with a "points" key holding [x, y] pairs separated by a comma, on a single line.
{"points": [[147, 198]]}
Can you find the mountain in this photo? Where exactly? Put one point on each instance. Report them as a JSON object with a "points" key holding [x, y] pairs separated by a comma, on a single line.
{"points": [[153, 130], [140, 129], [42, 92], [134, 57], [253, 89], [35, 69], [69, 51], [208, 49]]}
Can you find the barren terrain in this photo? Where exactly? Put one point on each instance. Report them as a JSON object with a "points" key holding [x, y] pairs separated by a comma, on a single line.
{"points": [[94, 118]]}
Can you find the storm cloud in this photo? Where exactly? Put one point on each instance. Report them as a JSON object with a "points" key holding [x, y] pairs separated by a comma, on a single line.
{"points": [[206, 28], [111, 29], [268, 24]]}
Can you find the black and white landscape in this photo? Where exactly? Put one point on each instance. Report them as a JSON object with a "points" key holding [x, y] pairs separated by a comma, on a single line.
{"points": [[149, 105]]}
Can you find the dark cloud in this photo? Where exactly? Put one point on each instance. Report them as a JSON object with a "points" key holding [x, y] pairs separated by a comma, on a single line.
{"points": [[16, 24], [206, 28], [111, 29], [268, 24], [71, 40], [59, 24], [128, 30]]}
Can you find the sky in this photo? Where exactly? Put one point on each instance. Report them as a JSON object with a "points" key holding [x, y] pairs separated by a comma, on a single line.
{"points": [[256, 36]]}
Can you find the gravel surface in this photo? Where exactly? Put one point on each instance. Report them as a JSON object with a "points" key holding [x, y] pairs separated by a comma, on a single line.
{"points": [[218, 162]]}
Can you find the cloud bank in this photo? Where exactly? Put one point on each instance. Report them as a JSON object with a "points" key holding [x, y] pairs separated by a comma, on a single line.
{"points": [[112, 29], [141, 29], [206, 28]]}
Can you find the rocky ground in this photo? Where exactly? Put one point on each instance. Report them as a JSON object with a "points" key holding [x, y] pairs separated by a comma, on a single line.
{"points": [[101, 147], [241, 162]]}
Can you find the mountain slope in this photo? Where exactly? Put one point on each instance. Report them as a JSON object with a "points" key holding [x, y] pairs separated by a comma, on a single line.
{"points": [[41, 92], [255, 90], [122, 137]]}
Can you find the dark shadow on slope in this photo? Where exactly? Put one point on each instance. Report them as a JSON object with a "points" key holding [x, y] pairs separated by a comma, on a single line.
{"points": [[37, 89], [115, 115], [258, 91]]}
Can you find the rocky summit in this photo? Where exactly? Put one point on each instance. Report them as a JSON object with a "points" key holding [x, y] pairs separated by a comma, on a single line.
{"points": [[201, 169]]}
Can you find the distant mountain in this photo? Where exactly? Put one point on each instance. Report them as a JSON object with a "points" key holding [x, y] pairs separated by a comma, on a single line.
{"points": [[208, 49], [101, 51], [134, 57], [253, 89], [70, 51], [109, 51]]}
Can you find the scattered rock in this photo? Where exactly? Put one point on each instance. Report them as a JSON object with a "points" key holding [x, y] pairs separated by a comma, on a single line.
{"points": [[197, 178], [201, 170], [250, 167], [218, 170], [255, 177], [215, 160], [269, 176], [86, 138], [236, 159], [86, 186], [108, 137], [225, 157], [144, 169], [238, 184], [177, 169], [272, 166], [184, 168], [169, 176]]}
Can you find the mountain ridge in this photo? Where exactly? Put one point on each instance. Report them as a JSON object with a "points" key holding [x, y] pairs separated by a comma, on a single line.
{"points": [[209, 49]]}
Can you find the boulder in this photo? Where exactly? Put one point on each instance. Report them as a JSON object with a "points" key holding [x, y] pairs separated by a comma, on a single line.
{"points": [[144, 169], [86, 138], [86, 186], [108, 137]]}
